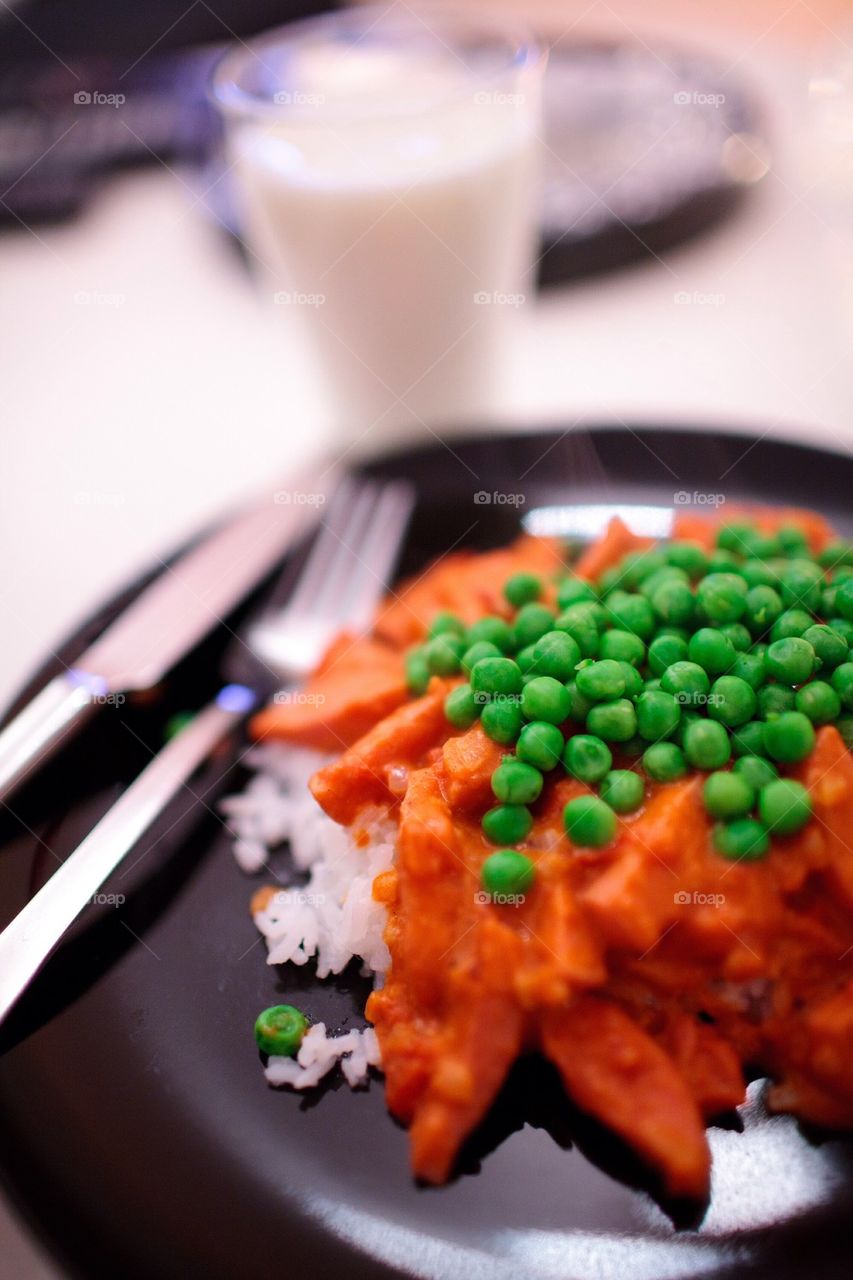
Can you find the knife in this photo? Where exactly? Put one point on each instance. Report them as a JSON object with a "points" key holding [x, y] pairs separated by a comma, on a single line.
{"points": [[164, 622], [27, 942]]}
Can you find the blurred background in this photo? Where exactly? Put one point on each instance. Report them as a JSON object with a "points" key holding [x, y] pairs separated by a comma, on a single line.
{"points": [[693, 265]]}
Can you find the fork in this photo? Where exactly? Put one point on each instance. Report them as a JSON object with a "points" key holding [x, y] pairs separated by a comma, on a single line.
{"points": [[342, 580], [339, 587]]}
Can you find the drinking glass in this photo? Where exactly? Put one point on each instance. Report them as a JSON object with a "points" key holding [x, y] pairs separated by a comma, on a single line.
{"points": [[386, 166]]}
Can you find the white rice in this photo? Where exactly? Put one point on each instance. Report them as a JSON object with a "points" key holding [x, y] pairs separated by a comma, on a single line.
{"points": [[319, 1052], [331, 918]]}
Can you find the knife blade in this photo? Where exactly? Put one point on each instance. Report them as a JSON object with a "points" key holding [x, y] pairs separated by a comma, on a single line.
{"points": [[165, 621]]}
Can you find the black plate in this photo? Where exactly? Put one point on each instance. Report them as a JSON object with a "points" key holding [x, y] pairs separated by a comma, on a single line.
{"points": [[137, 1130]]}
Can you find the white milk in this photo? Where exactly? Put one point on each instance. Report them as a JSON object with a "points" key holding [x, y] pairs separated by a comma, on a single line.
{"points": [[392, 201]]}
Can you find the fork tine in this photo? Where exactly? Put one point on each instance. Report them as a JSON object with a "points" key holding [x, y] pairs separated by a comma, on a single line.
{"points": [[325, 544], [343, 578], [378, 552], [342, 561]]}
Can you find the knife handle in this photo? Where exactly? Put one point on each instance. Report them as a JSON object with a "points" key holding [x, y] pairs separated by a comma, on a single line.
{"points": [[27, 942], [35, 733]]}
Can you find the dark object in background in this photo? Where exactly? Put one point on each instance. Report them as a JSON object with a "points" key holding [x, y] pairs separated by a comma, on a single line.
{"points": [[644, 148], [62, 133], [63, 68]]}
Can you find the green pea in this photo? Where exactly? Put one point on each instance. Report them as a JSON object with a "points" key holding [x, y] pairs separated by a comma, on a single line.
{"points": [[737, 633], [757, 573], [844, 629], [492, 630], [801, 585], [835, 553], [639, 566], [673, 602], [654, 581], [728, 795], [773, 700], [830, 648], [446, 623], [757, 771], [711, 650], [589, 822], [842, 683], [793, 622], [735, 536], [686, 681], [491, 676], [579, 621], [763, 607], [792, 540], [280, 1029], [444, 654], [706, 744], [613, 721], [545, 698], [508, 823], [601, 681], [417, 671], [631, 613], [502, 719], [540, 744], [461, 706], [623, 790], [514, 782], [731, 701], [789, 737], [573, 591], [688, 556], [819, 701], [784, 806], [612, 579], [507, 873], [556, 654], [749, 667], [579, 706], [748, 739], [658, 714], [744, 839], [664, 651], [664, 762], [473, 654], [722, 561], [622, 646], [531, 623], [587, 758], [762, 546], [790, 661], [722, 597], [526, 659], [522, 588]]}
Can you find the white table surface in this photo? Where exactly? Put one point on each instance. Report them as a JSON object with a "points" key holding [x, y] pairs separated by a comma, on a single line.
{"points": [[131, 418]]}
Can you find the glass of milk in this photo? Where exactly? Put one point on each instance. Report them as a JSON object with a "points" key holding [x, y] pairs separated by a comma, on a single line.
{"points": [[386, 167]]}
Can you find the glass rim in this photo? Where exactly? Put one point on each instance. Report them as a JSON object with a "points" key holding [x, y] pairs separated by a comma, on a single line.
{"points": [[524, 54]]}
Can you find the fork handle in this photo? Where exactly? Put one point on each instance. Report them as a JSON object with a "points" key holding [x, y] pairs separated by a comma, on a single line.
{"points": [[53, 714], [27, 942]]}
